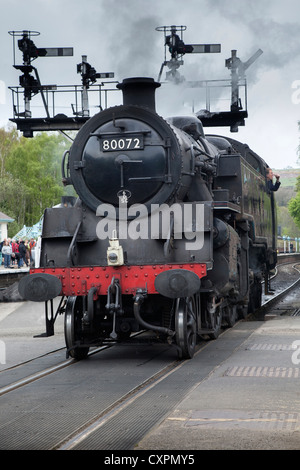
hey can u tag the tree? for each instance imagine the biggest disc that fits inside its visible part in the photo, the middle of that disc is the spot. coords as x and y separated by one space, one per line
36 164
13 196
294 204
8 138
12 191
286 222
30 175
298 184
294 209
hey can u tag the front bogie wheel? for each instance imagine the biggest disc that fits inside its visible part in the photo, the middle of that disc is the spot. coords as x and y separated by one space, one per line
73 328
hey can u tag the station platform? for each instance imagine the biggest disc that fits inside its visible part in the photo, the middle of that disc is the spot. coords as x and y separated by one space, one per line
13 269
10 276
249 400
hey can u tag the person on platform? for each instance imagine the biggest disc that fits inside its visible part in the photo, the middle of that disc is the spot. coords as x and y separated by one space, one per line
6 252
22 251
32 244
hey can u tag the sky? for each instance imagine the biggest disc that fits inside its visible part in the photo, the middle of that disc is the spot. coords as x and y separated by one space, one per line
119 36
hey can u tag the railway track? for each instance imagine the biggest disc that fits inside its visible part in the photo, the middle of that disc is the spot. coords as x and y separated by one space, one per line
286 278
130 396
43 373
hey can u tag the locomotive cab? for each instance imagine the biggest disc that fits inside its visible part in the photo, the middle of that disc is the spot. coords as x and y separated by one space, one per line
242 172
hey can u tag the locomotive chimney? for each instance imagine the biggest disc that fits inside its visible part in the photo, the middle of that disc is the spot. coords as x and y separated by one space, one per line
139 91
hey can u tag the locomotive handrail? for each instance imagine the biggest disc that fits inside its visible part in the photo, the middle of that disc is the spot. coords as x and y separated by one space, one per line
65 179
70 261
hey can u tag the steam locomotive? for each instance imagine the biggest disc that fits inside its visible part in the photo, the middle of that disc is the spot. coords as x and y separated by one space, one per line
172 231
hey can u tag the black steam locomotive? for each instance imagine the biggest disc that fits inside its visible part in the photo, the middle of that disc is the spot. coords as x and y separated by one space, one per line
172 231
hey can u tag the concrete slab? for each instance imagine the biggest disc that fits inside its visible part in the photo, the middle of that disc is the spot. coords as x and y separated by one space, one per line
250 401
20 323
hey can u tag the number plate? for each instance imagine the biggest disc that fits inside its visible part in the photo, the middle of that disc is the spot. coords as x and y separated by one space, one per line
128 142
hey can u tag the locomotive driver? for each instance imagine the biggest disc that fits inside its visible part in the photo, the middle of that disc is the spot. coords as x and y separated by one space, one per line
271 186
